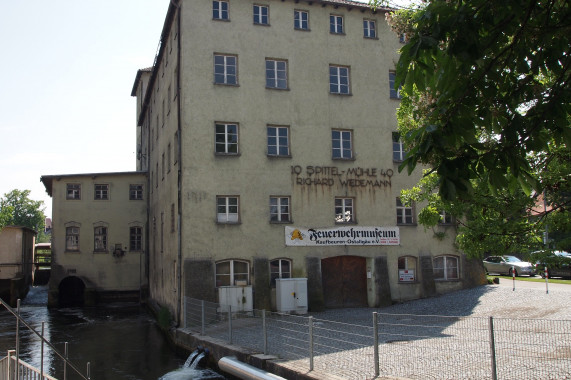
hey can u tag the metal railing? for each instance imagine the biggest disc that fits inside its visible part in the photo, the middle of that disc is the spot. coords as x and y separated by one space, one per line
16 372
25 371
402 345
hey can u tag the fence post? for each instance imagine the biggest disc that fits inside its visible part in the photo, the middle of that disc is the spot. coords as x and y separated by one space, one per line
311 343
65 353
202 317
42 354
10 352
17 372
376 341
493 349
229 324
265 331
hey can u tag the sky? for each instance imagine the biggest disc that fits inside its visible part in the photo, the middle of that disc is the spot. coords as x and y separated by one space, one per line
66 75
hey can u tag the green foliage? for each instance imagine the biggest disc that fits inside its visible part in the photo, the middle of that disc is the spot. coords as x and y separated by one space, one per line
486 106
164 318
17 209
547 258
486 83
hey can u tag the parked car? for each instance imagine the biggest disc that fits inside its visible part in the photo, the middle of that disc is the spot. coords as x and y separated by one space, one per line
558 264
504 265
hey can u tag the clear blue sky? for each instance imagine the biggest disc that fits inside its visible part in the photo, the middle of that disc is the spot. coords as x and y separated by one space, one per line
67 71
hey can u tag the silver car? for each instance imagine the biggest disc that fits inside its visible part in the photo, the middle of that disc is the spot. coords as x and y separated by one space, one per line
504 265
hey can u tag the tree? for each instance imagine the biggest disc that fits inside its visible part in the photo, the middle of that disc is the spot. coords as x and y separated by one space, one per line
486 108
17 209
489 83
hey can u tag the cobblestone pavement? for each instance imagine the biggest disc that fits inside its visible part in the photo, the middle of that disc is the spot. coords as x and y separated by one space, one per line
532 333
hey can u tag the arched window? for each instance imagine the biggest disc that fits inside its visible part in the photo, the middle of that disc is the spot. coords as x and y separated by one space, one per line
232 272
280 268
407 269
445 267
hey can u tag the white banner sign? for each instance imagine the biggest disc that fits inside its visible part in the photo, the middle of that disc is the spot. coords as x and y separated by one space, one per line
299 236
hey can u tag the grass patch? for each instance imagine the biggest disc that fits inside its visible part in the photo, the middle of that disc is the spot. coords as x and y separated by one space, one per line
533 279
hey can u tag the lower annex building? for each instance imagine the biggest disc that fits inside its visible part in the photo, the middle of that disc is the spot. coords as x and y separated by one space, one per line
266 134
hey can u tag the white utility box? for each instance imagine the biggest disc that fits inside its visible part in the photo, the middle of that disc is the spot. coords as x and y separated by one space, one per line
291 295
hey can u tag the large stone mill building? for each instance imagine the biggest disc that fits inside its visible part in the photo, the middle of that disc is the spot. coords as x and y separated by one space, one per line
266 136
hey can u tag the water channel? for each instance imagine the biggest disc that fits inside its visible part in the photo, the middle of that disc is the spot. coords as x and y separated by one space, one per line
121 341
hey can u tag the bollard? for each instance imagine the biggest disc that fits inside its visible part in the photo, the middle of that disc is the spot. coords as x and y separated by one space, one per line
513 277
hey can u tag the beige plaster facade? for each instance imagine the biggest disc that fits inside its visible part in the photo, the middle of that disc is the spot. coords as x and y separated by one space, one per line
98 236
208 146
16 262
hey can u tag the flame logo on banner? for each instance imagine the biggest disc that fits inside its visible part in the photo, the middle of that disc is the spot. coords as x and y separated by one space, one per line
296 234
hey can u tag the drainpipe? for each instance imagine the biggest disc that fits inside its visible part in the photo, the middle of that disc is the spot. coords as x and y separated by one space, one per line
178 4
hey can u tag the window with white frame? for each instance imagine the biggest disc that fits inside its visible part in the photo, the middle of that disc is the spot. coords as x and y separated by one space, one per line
226 139
369 29
220 10
279 268
227 209
339 80
73 191
280 209
225 69
336 24
101 192
72 238
135 238
278 141
407 269
261 14
232 273
301 20
394 92
135 192
276 74
445 218
399 153
344 210
100 239
342 144
404 213
445 267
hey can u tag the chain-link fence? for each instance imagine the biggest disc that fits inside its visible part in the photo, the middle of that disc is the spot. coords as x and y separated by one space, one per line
403 345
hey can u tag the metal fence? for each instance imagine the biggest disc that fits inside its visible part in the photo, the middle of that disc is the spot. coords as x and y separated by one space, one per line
403 345
24 371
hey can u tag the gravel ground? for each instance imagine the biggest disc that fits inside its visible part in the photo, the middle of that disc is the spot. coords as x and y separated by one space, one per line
443 337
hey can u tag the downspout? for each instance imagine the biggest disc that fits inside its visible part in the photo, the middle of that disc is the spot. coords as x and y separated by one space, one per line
178 142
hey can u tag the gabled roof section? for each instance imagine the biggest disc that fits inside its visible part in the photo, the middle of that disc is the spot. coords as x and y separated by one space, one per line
138 78
48 180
